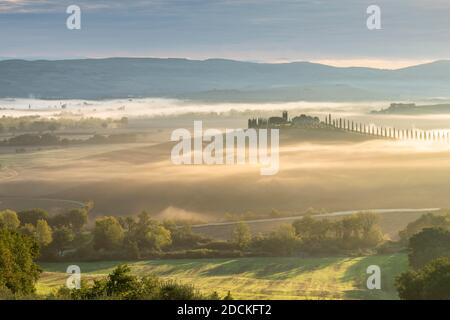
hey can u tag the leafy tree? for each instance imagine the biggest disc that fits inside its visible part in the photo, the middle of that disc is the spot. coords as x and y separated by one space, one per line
285 233
317 235
432 282
18 272
371 234
157 236
283 241
108 233
183 236
171 290
428 220
275 213
312 230
74 219
349 231
9 220
77 218
43 233
88 206
28 230
352 232
32 216
132 249
149 234
427 245
122 285
242 235
62 238
120 281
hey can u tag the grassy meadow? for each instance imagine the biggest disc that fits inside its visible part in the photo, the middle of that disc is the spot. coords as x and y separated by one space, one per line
256 278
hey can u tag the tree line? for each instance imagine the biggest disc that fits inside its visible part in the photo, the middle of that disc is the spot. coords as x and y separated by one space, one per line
50 139
30 235
67 236
37 124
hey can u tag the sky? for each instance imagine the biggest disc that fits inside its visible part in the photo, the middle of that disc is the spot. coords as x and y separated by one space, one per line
325 31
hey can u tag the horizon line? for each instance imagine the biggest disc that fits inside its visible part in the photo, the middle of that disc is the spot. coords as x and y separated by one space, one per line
379 64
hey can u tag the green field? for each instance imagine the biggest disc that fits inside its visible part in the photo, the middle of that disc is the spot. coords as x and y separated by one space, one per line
257 278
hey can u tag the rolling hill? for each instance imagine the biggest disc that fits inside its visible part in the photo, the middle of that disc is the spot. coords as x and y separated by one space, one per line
217 80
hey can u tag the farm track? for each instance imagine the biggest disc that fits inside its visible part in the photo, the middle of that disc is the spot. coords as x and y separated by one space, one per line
8 173
324 215
66 201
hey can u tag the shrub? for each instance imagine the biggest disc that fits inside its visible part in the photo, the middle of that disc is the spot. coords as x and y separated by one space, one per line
432 282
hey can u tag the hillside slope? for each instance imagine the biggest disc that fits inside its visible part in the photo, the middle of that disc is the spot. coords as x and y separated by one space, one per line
217 80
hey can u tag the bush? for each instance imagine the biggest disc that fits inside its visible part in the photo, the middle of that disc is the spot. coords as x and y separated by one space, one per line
32 216
219 245
428 220
108 233
432 282
282 242
429 244
9 220
352 233
122 285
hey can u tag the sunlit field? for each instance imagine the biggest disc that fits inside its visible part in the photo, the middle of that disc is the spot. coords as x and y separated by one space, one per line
257 278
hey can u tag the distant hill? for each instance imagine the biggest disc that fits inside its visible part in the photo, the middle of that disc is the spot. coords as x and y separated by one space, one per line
217 80
411 109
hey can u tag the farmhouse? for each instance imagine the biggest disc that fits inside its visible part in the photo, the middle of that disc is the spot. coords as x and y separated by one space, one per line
302 121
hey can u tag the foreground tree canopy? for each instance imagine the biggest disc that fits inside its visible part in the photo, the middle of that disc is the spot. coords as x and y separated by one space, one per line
121 284
432 282
18 272
427 245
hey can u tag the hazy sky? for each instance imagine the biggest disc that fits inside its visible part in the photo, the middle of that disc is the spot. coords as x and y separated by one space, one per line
332 31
